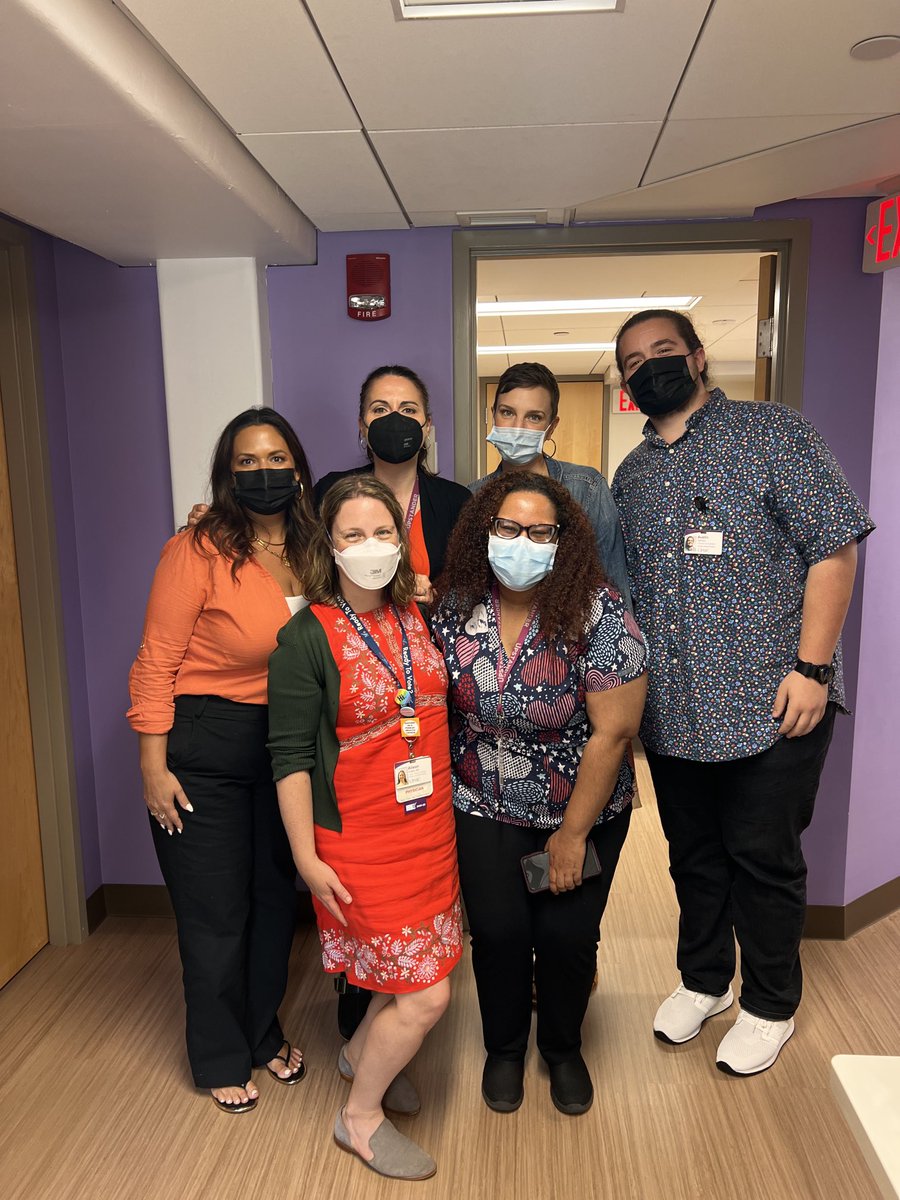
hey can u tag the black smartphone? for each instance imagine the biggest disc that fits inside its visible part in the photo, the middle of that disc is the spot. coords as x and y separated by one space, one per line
536 868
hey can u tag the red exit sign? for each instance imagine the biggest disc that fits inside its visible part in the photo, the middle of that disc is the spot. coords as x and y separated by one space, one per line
624 403
882 246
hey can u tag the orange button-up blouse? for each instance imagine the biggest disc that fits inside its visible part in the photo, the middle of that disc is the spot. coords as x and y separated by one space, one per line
205 634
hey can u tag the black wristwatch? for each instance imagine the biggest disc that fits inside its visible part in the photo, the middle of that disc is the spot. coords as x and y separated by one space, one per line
820 672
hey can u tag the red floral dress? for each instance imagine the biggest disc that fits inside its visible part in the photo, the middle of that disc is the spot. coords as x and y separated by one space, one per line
404 929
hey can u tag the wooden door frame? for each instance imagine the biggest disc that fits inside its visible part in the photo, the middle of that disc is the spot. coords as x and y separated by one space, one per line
788 239
34 534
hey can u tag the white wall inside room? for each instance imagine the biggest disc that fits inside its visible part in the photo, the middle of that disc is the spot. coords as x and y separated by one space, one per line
725 318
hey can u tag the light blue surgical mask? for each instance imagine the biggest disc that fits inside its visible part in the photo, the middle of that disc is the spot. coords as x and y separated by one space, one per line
518 446
520 563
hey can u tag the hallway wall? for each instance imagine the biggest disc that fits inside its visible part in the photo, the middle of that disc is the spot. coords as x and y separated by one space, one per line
105 401
106 406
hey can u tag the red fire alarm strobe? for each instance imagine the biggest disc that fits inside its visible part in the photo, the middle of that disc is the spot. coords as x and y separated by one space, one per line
368 286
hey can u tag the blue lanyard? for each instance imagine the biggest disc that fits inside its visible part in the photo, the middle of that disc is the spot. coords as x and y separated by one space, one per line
405 694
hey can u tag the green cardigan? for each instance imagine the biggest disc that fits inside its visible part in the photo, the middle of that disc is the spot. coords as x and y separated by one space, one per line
304 692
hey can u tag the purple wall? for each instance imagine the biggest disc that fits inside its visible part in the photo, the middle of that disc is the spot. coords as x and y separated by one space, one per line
842 319
873 842
320 356
106 412
69 583
114 511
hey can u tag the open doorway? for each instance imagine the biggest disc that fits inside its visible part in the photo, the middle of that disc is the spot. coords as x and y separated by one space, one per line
558 297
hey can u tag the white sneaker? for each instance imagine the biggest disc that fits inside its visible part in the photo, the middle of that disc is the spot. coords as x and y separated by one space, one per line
681 1017
752 1044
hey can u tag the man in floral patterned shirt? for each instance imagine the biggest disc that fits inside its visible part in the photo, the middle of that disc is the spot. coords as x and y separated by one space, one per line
740 535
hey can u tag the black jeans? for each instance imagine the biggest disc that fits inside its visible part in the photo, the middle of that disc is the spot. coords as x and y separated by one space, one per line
735 856
517 936
231 878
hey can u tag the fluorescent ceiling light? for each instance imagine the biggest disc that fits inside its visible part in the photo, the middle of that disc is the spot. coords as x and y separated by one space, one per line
518 308
552 348
423 9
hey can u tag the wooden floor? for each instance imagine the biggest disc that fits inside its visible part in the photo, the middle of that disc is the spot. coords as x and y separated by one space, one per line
95 1100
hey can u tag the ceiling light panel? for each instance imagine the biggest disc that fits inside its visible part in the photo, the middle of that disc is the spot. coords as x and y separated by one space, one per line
551 348
412 10
502 308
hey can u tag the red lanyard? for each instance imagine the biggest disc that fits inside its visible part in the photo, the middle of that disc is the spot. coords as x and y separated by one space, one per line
412 506
524 633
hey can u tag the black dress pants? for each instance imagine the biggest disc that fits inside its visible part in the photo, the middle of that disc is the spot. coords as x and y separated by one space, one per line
231 878
517 935
735 857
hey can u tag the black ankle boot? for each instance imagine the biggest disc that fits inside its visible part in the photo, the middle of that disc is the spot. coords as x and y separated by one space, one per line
501 1083
571 1089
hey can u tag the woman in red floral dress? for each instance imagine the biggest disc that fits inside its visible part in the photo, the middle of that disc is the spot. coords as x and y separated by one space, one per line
361 756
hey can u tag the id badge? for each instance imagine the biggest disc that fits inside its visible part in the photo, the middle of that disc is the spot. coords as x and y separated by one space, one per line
703 541
413 782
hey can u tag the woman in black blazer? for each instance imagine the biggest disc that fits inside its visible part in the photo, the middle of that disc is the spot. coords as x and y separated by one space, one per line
394 423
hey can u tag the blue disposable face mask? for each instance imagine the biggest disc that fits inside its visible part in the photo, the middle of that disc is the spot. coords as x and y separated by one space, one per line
520 563
518 446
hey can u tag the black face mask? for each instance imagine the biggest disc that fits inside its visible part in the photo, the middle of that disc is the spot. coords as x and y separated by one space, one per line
660 385
266 491
395 438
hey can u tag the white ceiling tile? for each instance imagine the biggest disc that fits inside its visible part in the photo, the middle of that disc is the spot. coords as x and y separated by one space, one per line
771 58
260 63
332 177
736 188
492 326
518 168
610 275
535 70
582 327
104 144
690 145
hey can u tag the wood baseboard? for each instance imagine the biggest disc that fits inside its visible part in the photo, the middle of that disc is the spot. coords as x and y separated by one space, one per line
835 921
152 900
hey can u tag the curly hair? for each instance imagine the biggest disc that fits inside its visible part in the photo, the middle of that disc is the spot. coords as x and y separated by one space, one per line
563 598
320 576
226 525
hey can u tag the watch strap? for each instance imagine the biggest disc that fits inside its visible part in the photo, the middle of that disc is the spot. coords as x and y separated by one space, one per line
821 672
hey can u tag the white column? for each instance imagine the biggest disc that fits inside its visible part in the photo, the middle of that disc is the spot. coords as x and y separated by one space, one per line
216 359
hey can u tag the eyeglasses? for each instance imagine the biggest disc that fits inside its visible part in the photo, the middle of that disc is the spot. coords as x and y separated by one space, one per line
502 527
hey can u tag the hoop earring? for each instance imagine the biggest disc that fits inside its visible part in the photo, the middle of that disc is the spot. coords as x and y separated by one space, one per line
552 453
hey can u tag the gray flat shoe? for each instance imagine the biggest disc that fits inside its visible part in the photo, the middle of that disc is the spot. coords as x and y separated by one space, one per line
393 1154
401 1098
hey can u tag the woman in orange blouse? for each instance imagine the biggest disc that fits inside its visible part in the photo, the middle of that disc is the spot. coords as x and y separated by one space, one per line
221 592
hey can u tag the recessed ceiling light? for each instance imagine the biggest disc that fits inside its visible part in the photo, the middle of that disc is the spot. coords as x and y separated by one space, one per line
513 308
411 10
872 48
552 348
